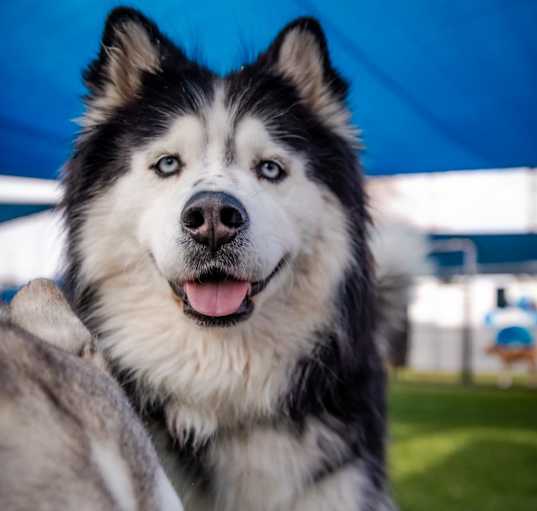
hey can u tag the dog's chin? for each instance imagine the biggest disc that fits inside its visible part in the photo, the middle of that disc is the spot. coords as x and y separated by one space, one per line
215 279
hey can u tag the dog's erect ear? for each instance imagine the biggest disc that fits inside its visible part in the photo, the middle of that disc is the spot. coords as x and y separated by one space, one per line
131 46
300 53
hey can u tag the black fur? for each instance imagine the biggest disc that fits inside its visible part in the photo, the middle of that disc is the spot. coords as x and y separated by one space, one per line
338 86
342 383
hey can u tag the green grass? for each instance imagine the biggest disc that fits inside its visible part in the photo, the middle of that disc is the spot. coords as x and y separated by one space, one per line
454 448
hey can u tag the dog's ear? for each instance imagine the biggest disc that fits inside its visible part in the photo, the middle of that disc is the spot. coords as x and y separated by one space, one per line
41 309
300 54
131 46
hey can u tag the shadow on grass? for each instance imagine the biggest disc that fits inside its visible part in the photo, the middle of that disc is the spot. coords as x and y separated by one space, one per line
480 476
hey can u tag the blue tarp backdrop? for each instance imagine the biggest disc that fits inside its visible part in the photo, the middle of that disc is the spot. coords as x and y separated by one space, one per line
436 85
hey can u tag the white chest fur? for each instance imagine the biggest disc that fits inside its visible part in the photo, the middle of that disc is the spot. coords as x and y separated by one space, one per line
270 469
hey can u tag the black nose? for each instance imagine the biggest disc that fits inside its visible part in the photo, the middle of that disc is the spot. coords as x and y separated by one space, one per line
213 218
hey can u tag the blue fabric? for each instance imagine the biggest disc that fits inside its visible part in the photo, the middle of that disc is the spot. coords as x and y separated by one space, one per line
436 85
495 253
6 295
514 336
10 211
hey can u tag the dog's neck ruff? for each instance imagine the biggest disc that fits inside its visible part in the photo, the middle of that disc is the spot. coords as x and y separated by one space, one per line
209 375
227 375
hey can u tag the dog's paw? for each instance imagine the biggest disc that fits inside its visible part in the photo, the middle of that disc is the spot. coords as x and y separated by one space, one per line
189 426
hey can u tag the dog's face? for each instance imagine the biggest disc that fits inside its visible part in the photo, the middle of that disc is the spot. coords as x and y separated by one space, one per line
226 186
228 210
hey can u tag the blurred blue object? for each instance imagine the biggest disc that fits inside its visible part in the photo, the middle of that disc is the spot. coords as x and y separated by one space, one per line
442 85
10 211
514 337
7 294
496 253
526 304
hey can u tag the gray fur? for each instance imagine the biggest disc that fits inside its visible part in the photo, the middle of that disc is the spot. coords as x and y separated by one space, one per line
41 309
69 438
4 311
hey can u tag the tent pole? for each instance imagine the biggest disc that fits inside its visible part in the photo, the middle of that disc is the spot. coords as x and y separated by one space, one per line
469 250
467 341
470 269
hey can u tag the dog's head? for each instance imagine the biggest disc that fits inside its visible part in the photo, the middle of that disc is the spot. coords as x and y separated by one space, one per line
226 186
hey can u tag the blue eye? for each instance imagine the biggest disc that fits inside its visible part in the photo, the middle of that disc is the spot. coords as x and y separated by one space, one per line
168 165
270 170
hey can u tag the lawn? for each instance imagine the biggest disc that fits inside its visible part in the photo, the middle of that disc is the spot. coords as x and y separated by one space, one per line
458 449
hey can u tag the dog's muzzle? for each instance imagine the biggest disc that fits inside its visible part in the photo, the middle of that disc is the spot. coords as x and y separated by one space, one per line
220 289
213 220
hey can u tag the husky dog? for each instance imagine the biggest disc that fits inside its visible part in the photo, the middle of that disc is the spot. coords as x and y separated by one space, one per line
218 250
68 436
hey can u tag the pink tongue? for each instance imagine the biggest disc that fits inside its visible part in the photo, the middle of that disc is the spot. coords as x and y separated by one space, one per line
219 299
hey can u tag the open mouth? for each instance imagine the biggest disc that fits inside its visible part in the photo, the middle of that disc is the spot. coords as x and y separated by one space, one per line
217 298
